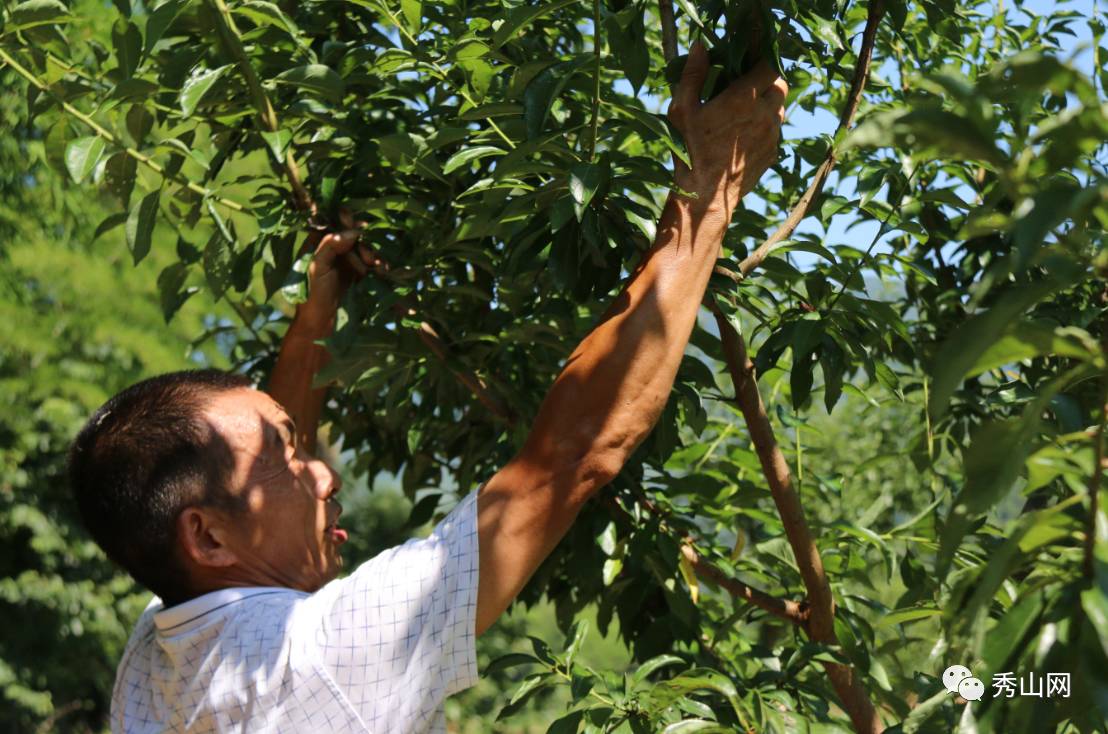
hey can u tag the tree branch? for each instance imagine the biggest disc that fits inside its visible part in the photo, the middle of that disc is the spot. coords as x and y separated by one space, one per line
266 114
790 611
820 620
669 29
470 379
821 612
597 43
846 118
107 135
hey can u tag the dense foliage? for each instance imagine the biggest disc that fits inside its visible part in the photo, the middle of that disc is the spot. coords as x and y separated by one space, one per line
944 303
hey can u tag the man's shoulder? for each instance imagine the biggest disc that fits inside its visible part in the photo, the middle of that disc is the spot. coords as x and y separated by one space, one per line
219 605
248 625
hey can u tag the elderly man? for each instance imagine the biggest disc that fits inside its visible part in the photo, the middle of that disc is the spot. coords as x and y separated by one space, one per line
207 492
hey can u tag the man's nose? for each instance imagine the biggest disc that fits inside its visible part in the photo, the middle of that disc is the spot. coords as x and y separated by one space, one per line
325 480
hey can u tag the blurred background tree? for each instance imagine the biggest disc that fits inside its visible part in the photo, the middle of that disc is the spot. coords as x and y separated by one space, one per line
908 475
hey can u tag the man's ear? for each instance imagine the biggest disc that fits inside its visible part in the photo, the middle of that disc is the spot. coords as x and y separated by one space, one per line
203 538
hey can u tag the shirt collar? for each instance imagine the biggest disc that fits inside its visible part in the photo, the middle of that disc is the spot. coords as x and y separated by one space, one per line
168 618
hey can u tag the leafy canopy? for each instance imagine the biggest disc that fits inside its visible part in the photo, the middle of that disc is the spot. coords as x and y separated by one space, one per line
929 343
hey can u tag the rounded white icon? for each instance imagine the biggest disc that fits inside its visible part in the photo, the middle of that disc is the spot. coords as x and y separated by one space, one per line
954 675
971 689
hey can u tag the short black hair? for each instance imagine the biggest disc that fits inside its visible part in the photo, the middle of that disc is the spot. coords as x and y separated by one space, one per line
142 458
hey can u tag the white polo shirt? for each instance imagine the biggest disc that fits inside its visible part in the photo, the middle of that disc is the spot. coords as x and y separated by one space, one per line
377 651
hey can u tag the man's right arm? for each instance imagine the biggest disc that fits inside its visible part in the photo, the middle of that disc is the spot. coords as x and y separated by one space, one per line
616 382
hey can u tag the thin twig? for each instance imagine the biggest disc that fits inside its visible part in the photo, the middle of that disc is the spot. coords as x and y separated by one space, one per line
1098 452
790 611
266 114
597 48
1094 489
470 379
846 118
669 29
107 135
882 230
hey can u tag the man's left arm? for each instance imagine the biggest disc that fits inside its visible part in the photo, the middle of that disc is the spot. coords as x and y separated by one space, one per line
339 261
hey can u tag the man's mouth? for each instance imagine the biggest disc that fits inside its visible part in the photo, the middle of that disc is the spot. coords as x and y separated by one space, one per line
337 534
334 532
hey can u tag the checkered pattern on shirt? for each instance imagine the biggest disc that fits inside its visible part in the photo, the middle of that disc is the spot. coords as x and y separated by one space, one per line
399 634
376 652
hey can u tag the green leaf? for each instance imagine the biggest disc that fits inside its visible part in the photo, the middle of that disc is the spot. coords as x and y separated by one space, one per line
242 268
567 724
423 511
413 13
607 539
510 660
1026 340
1005 639
468 49
55 143
82 155
217 265
542 650
903 616
278 142
924 711
611 569
172 297
140 225
316 79
667 692
467 155
523 16
530 685
263 12
139 123
128 46
690 10
997 453
833 367
119 175
584 181
109 223
627 48
200 81
220 223
927 128
970 341
36 13
578 632
654 664
694 725
544 89
159 21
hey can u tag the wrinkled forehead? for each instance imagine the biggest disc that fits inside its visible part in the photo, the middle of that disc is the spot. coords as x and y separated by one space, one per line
244 417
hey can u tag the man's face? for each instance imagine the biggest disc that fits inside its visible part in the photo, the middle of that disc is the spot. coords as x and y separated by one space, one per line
288 534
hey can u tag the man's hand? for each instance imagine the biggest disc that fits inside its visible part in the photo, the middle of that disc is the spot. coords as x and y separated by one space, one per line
340 260
731 139
617 381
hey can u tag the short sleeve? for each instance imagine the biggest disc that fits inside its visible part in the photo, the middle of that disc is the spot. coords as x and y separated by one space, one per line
398 634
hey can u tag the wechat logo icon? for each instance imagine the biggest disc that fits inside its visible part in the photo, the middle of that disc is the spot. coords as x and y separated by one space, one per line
958 679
